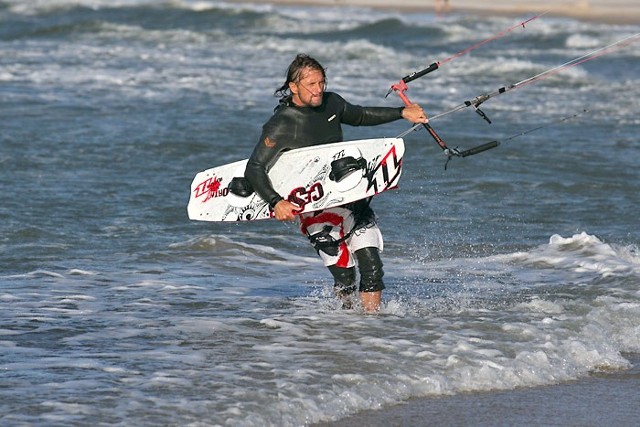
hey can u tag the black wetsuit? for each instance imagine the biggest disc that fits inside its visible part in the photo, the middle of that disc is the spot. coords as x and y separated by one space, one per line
296 127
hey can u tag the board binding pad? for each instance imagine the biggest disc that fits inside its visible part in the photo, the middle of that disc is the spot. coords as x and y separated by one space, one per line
314 178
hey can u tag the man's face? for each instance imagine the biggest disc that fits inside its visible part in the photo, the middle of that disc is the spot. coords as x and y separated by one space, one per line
308 90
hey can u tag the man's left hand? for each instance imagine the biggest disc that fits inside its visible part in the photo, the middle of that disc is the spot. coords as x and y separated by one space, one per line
415 114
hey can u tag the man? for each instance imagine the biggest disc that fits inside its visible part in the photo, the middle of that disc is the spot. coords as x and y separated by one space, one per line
345 235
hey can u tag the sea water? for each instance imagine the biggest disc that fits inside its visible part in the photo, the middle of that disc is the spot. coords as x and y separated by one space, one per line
514 268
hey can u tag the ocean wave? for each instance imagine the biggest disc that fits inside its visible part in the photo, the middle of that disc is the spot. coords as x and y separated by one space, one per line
57 20
583 253
76 18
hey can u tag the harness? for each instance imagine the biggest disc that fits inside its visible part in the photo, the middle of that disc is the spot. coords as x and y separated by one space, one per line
323 241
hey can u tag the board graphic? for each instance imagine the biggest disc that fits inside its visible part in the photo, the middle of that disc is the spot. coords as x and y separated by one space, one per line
314 178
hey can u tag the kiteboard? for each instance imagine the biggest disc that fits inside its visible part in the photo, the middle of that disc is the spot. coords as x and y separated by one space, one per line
313 178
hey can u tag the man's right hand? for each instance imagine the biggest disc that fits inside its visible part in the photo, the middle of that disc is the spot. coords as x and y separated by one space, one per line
285 210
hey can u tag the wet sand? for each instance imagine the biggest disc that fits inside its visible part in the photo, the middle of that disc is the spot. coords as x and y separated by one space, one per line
610 399
606 11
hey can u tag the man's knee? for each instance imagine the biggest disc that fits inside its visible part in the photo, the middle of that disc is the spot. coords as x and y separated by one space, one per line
370 267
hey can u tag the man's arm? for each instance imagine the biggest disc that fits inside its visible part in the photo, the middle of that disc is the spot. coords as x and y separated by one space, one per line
256 173
356 115
272 143
263 156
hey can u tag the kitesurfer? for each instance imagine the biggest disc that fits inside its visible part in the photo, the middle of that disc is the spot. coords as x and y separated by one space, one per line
343 236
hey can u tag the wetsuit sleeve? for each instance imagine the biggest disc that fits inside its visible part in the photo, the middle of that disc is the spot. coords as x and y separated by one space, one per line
261 160
356 115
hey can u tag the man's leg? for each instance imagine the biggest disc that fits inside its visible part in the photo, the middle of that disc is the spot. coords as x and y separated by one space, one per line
371 285
344 284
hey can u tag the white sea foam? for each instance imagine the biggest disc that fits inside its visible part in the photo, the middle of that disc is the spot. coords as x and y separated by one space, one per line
584 253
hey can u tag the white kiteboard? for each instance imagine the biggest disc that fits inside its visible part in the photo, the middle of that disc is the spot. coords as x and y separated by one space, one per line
313 178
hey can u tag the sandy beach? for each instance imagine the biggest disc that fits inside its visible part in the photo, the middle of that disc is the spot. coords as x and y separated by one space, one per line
606 11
